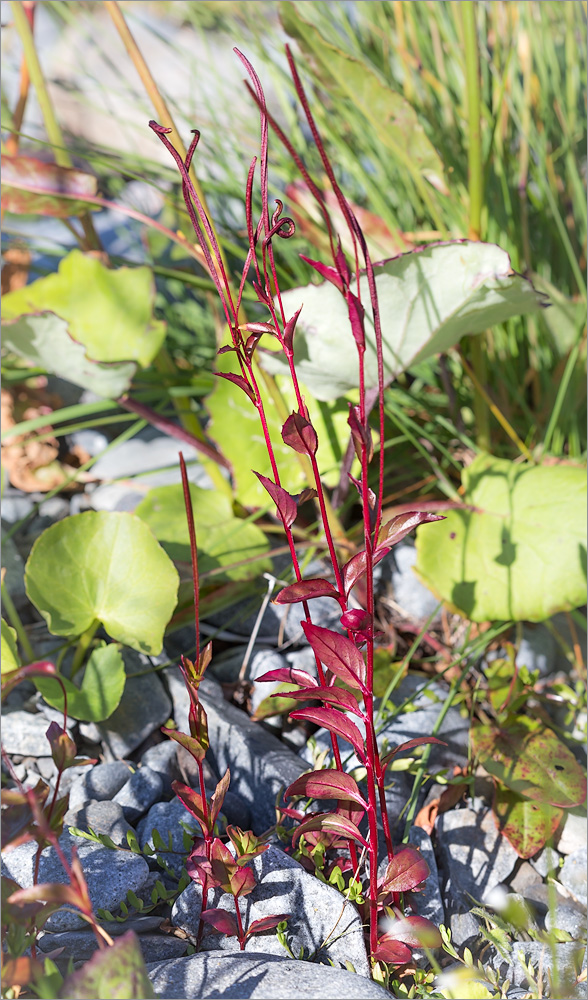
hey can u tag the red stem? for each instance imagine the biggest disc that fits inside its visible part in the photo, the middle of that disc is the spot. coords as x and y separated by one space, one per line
240 925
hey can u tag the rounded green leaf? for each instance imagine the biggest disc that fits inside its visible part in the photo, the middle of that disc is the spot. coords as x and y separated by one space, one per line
10 660
428 300
109 311
100 691
118 971
525 823
519 552
103 566
223 540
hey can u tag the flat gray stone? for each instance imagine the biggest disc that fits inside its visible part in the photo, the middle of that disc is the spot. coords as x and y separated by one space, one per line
260 765
99 783
429 902
109 874
567 918
537 650
81 945
168 818
572 875
163 759
143 708
474 856
242 976
525 877
25 734
409 593
318 913
573 835
546 862
101 817
570 960
143 788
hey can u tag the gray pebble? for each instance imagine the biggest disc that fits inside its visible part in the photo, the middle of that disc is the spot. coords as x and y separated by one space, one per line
573 875
81 945
101 817
409 593
569 956
573 835
99 783
567 918
143 788
25 734
168 818
163 759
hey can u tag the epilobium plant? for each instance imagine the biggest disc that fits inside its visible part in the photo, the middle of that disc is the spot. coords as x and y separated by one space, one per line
344 662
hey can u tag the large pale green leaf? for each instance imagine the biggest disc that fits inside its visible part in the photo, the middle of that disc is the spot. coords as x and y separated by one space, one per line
389 115
10 660
117 972
110 312
531 760
44 339
100 691
104 566
235 426
429 299
526 824
520 553
222 538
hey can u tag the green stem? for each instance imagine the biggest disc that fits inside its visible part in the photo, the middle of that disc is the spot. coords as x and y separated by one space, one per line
17 625
84 643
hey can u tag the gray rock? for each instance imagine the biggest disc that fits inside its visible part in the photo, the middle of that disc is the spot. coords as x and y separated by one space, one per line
545 862
91 440
143 788
464 927
163 759
47 768
56 508
81 945
474 859
168 818
429 902
260 765
537 649
573 875
525 877
409 593
99 783
256 977
13 563
25 734
283 886
101 817
569 958
573 834
52 714
143 708
149 452
567 918
15 508
109 874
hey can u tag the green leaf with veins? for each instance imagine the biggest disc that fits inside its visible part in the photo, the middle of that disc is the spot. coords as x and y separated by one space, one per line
100 691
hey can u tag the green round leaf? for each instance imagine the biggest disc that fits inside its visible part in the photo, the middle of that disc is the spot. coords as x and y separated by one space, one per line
10 660
104 566
100 691
222 538
526 824
521 553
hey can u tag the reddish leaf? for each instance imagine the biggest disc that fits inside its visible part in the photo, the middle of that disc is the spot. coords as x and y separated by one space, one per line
335 722
307 494
266 924
330 695
289 329
286 504
353 571
356 314
415 931
246 844
526 824
338 653
48 892
305 590
63 748
400 526
242 881
222 921
20 971
406 870
44 668
361 433
299 434
356 620
391 951
193 803
330 823
325 271
118 971
409 745
192 745
32 187
216 802
327 784
259 328
289 675
240 381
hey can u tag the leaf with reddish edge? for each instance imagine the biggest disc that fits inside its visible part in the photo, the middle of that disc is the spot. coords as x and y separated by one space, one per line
192 745
335 722
356 313
408 745
391 951
221 921
327 784
527 825
118 971
330 823
361 433
397 529
63 748
240 381
242 881
305 590
216 802
288 337
193 803
33 187
416 932
531 760
20 971
407 869
286 504
356 620
289 675
341 262
307 494
299 434
246 844
266 924
331 696
48 892
325 271
338 653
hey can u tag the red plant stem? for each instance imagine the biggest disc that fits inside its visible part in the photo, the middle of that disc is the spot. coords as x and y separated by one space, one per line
168 427
193 549
203 906
240 925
